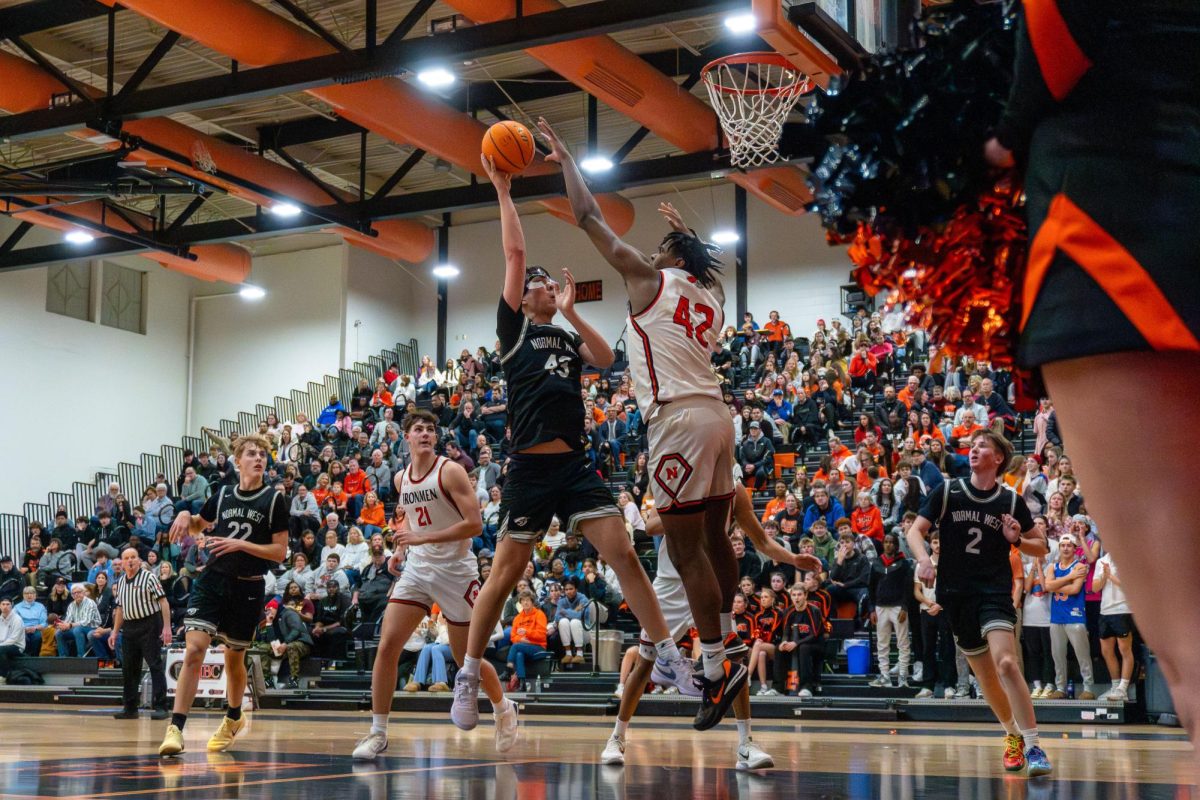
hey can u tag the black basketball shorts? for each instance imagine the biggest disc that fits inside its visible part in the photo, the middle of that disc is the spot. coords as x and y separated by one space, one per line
542 486
973 615
1115 626
226 607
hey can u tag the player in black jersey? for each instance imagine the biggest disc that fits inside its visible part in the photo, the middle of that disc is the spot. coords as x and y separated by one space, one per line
548 473
979 522
248 536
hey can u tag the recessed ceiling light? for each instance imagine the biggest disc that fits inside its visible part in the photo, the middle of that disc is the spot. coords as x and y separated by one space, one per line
445 271
79 237
741 23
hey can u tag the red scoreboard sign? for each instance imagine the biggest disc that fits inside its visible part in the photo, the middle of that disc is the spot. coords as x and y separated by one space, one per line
589 291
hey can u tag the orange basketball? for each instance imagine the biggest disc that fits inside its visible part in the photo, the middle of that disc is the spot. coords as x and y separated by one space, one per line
510 146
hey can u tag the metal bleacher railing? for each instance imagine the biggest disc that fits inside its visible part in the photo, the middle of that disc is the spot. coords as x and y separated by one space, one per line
135 477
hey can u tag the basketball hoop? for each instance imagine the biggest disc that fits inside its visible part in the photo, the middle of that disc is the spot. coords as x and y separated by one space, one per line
752 94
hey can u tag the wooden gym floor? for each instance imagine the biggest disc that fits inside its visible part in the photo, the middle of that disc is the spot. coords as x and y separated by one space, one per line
64 751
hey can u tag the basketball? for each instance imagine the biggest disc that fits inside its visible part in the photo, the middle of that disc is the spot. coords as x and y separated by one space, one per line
510 146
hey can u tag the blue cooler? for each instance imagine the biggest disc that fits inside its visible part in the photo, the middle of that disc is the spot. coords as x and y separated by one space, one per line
858 656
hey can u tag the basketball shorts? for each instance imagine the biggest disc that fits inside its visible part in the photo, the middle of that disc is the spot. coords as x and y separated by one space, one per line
691 455
453 586
226 607
1113 238
972 616
542 486
1115 626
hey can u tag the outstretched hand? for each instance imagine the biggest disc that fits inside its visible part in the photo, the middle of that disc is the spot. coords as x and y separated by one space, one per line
673 217
557 148
566 295
501 180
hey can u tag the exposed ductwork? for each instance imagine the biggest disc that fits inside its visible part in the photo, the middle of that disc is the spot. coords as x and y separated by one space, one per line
389 107
401 239
616 75
209 262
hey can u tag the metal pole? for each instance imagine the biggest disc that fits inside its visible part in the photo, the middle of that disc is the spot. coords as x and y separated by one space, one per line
443 287
742 252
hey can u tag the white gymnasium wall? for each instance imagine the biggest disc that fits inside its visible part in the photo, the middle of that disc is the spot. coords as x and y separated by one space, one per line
385 296
247 352
78 396
791 268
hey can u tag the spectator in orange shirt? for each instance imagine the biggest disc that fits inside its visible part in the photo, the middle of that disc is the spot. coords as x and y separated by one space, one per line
775 504
866 519
356 483
372 518
528 639
776 330
863 367
905 395
838 452
963 432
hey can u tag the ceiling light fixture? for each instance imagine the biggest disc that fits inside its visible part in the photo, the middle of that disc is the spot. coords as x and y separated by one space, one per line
79 237
436 77
249 292
444 271
285 210
596 163
741 23
725 236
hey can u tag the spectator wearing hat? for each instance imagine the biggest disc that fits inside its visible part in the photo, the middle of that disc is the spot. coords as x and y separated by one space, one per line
329 630
757 457
11 580
1065 579
106 537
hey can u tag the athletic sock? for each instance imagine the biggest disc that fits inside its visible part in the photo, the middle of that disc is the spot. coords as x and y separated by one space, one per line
1010 727
713 656
471 666
1031 738
179 720
234 713
620 728
647 651
667 650
1123 684
379 723
743 726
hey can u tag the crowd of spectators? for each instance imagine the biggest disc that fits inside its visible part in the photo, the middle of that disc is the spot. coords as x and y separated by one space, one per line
839 434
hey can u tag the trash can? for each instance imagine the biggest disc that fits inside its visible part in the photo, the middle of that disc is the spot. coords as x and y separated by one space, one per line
609 657
858 656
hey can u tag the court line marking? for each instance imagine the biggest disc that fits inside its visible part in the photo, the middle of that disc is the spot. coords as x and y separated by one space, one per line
270 781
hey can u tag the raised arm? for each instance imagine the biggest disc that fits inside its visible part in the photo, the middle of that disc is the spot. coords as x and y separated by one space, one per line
594 350
633 265
512 237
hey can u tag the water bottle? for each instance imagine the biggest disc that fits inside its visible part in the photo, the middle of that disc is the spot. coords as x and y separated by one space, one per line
1071 690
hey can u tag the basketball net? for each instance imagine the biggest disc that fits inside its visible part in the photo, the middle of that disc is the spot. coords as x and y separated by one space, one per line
753 93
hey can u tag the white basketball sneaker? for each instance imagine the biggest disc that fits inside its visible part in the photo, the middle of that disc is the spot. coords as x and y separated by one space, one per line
614 752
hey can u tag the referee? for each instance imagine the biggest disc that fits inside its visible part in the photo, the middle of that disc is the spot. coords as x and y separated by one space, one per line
143 615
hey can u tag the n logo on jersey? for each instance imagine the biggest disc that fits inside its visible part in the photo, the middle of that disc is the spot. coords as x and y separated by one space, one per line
672 474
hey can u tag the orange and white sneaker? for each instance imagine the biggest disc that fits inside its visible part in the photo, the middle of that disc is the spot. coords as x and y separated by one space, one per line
1014 753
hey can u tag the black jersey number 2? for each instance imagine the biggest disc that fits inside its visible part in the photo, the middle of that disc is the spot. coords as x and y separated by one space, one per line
973 546
559 365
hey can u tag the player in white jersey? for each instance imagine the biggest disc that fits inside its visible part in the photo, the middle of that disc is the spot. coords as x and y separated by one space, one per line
440 519
673 599
676 303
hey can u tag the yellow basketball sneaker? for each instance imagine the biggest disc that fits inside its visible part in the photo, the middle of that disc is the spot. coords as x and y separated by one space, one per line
172 743
224 736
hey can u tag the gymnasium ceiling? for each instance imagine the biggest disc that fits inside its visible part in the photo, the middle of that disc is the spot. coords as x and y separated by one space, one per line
504 81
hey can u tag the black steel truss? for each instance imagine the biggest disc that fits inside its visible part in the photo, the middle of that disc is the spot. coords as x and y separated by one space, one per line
480 41
40 15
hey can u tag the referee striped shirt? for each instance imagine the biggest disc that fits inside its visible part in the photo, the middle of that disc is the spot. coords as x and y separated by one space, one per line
138 597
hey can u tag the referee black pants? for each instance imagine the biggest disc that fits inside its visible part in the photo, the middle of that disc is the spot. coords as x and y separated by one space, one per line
142 640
